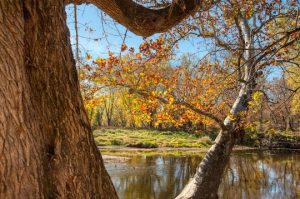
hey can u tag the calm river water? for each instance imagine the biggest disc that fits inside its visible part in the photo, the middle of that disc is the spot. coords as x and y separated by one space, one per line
250 175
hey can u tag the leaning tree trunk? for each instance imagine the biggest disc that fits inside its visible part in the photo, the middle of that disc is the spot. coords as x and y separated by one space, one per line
206 181
208 176
47 149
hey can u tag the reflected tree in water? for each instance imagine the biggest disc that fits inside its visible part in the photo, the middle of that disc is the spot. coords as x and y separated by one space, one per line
249 176
259 176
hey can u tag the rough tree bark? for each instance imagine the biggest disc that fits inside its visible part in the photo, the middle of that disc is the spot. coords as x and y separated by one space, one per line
47 149
145 22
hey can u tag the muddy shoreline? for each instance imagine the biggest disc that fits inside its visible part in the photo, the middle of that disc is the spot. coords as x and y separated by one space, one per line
235 149
121 154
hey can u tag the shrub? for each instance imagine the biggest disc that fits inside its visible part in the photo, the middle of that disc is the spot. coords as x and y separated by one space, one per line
116 142
144 144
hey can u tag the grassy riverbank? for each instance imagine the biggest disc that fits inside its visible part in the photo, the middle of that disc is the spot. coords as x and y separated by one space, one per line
132 139
142 138
273 139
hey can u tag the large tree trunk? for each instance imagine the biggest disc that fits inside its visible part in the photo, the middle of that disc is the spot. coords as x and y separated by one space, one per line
47 149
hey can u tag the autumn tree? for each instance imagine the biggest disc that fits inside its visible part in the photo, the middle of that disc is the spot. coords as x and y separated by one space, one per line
246 41
46 142
240 31
274 106
292 72
294 82
170 96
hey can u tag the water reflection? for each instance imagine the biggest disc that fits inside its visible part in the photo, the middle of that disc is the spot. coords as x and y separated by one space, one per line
262 175
249 175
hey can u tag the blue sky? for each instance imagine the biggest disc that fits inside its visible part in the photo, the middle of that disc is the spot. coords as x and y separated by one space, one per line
89 18
110 35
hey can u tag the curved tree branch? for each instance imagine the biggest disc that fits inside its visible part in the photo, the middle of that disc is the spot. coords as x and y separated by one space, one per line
145 21
182 103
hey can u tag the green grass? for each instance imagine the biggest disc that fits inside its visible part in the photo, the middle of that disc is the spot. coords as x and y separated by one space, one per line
149 138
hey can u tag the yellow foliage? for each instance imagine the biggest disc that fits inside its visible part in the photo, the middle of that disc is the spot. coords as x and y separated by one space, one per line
256 101
294 83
